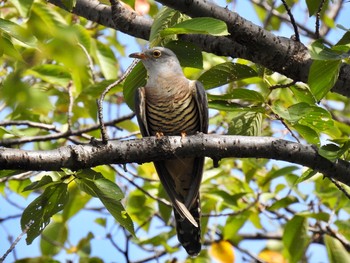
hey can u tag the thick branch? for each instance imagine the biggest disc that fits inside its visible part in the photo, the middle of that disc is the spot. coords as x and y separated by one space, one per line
246 39
152 148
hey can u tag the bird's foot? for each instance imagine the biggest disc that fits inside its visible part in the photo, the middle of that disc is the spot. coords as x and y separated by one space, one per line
159 135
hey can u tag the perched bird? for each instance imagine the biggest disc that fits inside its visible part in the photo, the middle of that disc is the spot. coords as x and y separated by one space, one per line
171 104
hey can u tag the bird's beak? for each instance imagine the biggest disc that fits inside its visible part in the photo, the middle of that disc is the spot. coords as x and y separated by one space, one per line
139 55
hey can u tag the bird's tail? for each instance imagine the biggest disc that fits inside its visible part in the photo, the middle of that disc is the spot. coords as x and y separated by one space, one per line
188 234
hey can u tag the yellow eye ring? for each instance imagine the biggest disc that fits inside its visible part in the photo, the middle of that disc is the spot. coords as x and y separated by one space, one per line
156 53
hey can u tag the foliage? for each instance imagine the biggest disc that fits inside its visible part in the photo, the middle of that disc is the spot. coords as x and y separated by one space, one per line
53 67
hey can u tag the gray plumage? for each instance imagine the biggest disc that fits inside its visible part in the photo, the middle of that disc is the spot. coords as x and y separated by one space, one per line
170 104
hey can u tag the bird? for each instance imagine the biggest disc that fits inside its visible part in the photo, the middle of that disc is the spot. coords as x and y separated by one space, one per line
169 105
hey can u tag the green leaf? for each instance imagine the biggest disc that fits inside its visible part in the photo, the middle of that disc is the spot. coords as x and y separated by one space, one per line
101 221
189 55
106 61
136 79
233 225
23 6
303 94
17 32
336 251
305 176
84 245
42 259
52 19
69 4
51 73
77 200
7 47
225 73
311 116
322 76
109 194
295 238
241 94
282 203
45 180
54 234
247 123
166 17
312 6
141 208
330 151
198 25
82 35
38 213
323 216
319 51
309 134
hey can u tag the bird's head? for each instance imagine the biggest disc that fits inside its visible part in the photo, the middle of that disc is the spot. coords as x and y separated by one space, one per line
159 61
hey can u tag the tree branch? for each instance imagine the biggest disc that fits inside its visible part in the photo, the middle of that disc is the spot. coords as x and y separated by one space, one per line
246 39
149 149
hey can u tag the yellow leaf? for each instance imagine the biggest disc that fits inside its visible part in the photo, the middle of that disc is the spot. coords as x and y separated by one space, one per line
270 256
222 251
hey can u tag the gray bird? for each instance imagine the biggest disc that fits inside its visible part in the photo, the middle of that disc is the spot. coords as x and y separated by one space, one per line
171 104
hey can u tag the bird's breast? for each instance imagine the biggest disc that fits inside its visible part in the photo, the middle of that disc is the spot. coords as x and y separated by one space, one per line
171 112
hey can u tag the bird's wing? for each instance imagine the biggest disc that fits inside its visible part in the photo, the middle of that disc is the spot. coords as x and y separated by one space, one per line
169 185
202 106
140 110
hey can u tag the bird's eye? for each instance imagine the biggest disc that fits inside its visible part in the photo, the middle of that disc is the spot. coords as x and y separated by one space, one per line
157 53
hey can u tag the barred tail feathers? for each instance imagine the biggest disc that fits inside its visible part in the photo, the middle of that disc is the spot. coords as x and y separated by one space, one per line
188 234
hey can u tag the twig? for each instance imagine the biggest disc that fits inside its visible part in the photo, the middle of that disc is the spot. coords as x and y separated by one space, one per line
58 135
49 127
70 106
91 64
104 93
281 86
10 217
163 201
340 187
247 252
236 212
318 14
13 245
286 126
292 20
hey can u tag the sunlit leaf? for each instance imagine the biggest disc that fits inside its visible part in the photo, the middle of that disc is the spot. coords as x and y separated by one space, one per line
23 6
166 17
322 76
51 73
17 32
55 234
106 60
198 25
222 251
319 51
295 238
247 123
336 251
